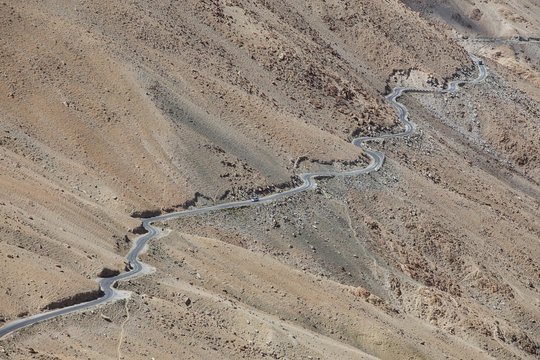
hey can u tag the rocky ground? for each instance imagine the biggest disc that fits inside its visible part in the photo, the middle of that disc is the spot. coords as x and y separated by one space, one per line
114 108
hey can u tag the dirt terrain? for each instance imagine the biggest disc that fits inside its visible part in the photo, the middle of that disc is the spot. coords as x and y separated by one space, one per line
111 110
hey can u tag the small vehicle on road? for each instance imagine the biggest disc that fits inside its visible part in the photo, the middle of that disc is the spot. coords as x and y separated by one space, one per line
255 199
480 62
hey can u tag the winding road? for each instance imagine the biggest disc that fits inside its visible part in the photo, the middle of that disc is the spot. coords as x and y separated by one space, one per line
508 41
308 182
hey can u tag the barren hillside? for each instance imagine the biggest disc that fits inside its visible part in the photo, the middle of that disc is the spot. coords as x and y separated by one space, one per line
514 25
112 110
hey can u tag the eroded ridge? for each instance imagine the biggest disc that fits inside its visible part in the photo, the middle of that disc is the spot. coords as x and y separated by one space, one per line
108 285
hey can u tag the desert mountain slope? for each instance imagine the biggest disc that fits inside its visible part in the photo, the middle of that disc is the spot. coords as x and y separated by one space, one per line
517 21
111 107
487 19
111 110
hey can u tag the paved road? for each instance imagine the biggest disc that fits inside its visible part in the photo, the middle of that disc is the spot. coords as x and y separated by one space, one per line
308 182
508 41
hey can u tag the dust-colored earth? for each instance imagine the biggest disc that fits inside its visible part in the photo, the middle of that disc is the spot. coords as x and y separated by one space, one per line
109 109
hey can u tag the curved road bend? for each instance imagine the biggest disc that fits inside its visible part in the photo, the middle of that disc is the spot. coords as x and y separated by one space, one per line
308 182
